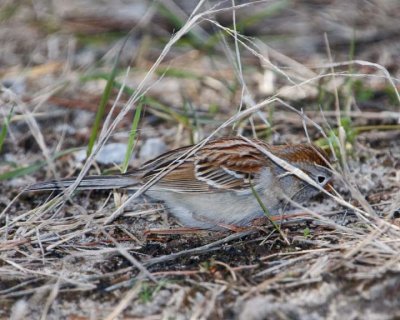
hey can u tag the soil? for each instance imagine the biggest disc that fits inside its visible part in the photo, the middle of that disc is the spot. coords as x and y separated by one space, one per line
58 257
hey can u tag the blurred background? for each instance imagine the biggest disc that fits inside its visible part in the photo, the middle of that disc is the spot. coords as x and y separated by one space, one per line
56 57
67 65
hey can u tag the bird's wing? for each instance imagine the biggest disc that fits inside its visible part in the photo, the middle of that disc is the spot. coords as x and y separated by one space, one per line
220 165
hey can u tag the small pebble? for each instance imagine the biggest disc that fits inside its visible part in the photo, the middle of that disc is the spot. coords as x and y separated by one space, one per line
152 148
109 154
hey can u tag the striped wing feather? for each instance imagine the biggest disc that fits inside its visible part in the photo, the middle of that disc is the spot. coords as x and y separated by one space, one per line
220 165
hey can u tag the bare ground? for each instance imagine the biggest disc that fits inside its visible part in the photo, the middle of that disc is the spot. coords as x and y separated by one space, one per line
60 260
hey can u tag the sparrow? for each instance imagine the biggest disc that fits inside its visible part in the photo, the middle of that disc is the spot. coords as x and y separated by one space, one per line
214 184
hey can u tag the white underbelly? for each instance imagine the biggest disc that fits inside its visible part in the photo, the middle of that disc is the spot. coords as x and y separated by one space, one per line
202 210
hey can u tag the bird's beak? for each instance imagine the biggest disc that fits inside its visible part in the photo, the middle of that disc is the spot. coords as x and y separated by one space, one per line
329 187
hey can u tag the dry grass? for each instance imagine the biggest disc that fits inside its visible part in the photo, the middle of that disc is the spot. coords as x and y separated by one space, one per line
73 255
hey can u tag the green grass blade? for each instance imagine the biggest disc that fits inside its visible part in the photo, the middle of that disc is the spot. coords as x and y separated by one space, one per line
269 11
22 171
29 169
132 136
4 129
102 106
266 211
177 73
191 37
164 111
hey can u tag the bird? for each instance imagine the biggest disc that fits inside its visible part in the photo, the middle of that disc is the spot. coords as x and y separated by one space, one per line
221 182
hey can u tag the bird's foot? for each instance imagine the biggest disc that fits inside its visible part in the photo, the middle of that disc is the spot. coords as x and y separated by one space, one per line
172 231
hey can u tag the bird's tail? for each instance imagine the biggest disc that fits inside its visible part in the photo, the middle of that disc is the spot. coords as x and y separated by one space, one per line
88 183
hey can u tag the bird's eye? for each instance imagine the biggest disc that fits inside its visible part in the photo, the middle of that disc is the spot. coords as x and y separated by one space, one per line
321 179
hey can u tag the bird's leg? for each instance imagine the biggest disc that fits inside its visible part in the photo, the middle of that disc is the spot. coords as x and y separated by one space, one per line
288 216
262 221
182 230
258 222
265 220
233 228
